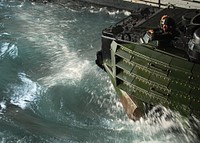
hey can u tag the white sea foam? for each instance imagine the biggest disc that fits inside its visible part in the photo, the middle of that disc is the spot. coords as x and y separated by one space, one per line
67 66
127 13
3 104
4 34
8 49
2 107
113 12
25 93
155 129
70 73
93 9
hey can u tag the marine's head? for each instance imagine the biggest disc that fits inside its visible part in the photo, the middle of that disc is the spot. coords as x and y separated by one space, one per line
167 24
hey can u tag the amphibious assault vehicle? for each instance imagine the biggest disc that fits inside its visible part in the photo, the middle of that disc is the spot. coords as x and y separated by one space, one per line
153 58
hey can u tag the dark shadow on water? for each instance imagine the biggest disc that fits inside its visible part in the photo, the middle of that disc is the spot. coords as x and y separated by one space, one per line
30 123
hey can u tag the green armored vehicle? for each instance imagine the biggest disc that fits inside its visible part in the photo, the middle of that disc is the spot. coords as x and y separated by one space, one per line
153 58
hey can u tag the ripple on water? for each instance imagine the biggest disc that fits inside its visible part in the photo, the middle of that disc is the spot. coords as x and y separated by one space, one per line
25 92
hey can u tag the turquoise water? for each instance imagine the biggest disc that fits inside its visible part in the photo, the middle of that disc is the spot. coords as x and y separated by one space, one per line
52 91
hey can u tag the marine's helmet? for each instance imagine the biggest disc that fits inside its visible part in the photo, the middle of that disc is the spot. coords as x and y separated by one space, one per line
167 24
